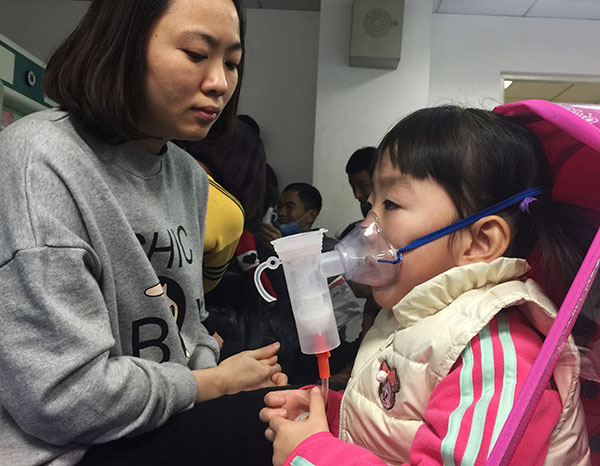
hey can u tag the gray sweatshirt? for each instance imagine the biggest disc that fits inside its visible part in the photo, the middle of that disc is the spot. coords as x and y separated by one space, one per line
101 296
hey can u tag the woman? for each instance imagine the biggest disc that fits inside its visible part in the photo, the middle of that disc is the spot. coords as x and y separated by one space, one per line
101 243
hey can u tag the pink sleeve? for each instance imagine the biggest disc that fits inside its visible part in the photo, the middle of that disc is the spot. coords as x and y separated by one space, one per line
323 449
468 408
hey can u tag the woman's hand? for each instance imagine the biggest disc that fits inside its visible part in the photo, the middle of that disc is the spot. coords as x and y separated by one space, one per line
287 434
247 370
252 369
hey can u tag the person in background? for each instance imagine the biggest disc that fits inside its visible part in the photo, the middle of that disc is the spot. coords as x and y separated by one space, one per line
358 169
236 169
103 358
271 195
462 324
296 210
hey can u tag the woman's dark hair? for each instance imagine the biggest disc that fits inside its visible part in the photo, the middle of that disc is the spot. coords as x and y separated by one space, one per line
239 165
250 122
97 73
481 158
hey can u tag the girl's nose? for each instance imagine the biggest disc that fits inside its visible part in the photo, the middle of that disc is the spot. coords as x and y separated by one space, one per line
373 216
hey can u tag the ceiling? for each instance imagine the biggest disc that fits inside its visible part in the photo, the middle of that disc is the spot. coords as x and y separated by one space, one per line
312 5
571 9
553 91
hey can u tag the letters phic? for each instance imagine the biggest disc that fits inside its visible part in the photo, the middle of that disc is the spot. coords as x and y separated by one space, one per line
173 245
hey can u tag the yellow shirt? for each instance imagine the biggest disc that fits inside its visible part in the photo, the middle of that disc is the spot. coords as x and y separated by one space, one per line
224 226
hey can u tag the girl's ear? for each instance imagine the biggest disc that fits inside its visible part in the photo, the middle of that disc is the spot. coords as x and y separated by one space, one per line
486 240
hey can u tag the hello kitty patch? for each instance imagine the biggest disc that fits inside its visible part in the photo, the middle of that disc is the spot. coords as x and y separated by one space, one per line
389 385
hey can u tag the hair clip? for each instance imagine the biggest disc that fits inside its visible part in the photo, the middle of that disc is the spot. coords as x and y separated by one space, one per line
524 205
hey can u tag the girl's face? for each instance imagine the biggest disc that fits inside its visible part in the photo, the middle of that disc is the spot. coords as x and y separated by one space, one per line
192 60
408 209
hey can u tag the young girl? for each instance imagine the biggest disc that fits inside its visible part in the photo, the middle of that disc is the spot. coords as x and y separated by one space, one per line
103 352
436 376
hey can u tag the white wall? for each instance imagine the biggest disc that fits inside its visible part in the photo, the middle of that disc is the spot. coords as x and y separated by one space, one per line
357 106
445 59
279 87
470 54
39 26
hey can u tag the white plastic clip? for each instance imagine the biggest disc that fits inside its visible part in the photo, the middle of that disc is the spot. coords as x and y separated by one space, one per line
271 263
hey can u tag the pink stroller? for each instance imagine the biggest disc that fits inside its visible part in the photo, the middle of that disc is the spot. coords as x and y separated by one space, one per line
570 135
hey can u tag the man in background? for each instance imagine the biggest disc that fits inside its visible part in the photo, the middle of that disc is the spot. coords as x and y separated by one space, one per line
296 210
358 169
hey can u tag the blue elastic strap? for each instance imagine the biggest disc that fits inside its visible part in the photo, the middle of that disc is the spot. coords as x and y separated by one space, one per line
469 220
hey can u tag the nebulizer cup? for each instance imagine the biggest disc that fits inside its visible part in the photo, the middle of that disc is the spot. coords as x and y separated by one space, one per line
300 256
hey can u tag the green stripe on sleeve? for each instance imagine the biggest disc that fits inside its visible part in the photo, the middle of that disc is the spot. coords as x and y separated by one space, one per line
299 461
509 380
482 405
466 398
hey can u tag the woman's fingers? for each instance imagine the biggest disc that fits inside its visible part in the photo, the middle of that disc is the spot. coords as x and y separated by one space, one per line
265 352
280 379
269 361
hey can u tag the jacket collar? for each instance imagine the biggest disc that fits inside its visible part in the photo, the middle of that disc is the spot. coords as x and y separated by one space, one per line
430 297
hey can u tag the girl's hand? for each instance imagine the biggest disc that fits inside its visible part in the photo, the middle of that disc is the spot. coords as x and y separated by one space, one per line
288 404
286 435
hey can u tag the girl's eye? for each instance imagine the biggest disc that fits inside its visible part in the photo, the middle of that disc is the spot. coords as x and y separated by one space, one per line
389 205
195 57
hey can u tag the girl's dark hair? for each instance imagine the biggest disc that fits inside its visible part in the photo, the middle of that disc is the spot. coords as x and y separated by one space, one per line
239 165
97 73
481 158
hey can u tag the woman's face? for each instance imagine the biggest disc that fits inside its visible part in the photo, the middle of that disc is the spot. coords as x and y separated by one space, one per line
409 208
192 57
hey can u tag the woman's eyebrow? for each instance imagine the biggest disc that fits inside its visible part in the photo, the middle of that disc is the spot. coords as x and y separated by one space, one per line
212 41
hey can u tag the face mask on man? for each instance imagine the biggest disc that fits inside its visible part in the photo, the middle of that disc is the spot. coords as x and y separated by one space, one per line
290 228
